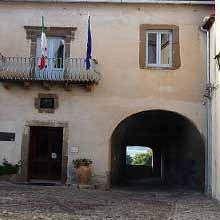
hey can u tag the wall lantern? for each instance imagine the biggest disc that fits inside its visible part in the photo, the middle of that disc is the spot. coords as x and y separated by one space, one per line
217 57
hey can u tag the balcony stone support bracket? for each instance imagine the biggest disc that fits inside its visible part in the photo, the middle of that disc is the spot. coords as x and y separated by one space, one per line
90 88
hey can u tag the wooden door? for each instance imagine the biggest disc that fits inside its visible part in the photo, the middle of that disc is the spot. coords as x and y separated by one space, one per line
45 153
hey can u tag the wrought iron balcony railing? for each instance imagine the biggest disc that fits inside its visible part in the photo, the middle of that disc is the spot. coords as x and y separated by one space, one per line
61 70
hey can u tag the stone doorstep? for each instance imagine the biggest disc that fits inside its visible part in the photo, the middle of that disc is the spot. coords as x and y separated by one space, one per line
13 178
8 178
81 186
89 186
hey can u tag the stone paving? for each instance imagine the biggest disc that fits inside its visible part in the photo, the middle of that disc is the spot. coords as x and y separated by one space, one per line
25 202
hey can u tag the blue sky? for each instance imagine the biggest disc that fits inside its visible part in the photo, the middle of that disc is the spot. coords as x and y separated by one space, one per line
132 150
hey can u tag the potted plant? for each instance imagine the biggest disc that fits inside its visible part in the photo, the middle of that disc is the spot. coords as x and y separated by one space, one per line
83 170
9 171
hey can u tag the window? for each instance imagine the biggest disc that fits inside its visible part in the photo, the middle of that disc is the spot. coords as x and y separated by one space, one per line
46 103
55 58
58 43
159 46
7 136
55 52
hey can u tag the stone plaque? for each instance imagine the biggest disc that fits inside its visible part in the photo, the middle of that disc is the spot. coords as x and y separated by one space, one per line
7 136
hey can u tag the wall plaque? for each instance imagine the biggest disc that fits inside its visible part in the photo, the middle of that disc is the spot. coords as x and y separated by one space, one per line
7 136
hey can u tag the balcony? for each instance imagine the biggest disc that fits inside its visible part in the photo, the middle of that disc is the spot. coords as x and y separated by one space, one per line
68 70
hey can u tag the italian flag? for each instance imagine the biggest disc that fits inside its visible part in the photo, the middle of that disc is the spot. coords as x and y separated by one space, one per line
42 62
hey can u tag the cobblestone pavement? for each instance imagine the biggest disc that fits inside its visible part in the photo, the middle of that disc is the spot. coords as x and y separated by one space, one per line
61 202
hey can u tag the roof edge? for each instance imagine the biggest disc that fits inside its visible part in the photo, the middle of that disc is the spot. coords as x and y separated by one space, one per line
182 2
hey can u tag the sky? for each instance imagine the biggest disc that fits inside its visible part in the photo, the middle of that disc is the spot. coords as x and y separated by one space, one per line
132 150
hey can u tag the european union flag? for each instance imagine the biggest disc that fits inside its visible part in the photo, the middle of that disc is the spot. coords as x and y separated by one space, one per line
89 47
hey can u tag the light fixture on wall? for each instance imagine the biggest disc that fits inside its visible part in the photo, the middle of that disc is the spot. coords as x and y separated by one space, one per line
217 58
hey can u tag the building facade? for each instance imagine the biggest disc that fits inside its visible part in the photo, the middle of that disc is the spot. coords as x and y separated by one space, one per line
148 62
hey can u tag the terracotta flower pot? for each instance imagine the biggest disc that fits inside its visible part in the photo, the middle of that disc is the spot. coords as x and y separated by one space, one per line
83 174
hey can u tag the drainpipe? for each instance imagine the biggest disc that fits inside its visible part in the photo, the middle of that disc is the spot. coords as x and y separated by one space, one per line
208 147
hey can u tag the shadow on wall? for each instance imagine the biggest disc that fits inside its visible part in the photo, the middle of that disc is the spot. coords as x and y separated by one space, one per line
178 149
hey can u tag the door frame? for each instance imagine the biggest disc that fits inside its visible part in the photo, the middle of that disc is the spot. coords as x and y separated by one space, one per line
25 148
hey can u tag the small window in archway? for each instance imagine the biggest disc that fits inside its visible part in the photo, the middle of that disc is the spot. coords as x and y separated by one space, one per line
139 155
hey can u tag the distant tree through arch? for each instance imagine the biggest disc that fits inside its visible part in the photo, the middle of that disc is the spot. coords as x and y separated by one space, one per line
139 155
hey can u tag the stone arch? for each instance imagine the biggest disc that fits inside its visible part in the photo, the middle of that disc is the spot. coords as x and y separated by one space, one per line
177 144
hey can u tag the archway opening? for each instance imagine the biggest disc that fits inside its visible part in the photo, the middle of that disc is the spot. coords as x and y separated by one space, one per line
139 163
157 148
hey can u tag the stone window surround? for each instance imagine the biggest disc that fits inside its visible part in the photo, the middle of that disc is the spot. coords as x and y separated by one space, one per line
175 45
32 32
46 110
25 147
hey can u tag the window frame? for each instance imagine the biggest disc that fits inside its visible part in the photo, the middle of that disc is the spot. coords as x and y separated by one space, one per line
176 62
37 102
33 32
158 48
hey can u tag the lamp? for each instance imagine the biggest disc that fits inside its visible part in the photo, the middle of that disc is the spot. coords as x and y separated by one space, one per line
217 57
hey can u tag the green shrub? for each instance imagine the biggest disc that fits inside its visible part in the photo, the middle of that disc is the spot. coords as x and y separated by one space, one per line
8 168
81 162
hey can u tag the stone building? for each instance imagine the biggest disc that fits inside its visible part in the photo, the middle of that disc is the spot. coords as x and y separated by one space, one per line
145 88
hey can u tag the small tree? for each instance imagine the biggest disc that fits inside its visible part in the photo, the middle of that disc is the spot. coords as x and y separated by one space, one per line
129 160
143 159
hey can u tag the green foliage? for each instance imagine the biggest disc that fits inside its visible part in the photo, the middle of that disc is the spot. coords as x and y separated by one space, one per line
128 160
143 159
7 168
81 162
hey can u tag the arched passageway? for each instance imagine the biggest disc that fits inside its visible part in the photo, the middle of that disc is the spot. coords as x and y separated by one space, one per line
177 149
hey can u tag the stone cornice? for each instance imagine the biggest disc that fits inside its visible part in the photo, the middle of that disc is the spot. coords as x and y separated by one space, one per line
188 2
34 31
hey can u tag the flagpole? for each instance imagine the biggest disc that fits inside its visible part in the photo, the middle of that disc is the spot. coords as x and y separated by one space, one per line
42 24
89 45
89 18
42 63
